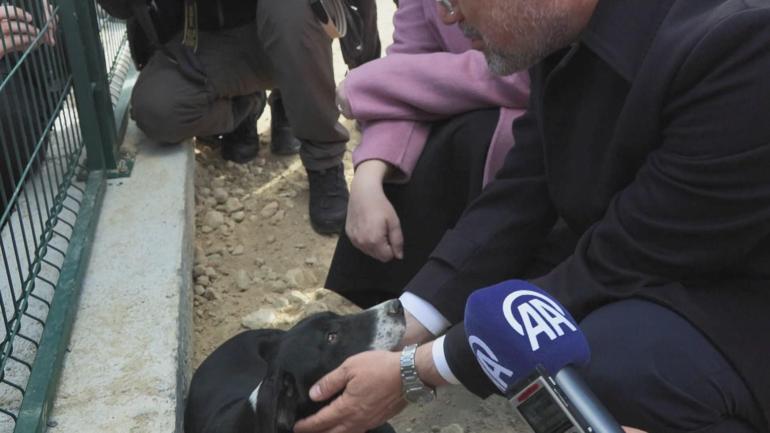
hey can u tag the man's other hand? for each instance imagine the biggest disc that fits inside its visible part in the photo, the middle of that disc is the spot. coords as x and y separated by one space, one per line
18 32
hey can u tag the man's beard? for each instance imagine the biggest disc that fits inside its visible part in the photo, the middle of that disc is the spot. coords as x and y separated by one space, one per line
533 45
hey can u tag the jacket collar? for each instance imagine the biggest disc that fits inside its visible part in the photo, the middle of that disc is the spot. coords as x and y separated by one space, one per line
620 32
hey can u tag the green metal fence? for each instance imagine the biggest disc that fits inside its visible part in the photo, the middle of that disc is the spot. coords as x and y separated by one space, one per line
62 108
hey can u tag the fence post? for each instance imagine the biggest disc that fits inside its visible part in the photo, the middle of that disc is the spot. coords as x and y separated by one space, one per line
89 74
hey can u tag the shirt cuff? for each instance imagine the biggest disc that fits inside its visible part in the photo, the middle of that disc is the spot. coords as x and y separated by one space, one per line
439 359
425 313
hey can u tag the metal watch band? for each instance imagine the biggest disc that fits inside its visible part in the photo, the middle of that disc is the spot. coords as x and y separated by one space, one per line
415 391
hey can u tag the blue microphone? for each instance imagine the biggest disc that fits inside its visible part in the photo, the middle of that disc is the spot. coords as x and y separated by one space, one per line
520 336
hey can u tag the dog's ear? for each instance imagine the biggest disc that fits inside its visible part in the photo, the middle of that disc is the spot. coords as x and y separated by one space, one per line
276 405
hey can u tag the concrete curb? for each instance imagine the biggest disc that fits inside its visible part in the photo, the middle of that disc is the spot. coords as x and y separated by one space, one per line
128 364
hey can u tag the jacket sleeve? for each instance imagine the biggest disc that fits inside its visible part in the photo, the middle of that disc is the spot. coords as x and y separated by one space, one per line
493 238
429 87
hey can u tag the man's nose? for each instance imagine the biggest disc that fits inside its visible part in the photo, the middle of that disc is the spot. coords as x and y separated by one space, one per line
448 11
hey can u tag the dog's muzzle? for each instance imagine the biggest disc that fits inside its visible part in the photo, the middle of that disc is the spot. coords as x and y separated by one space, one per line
389 326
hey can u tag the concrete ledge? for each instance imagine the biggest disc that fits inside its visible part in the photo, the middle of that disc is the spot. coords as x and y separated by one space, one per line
128 363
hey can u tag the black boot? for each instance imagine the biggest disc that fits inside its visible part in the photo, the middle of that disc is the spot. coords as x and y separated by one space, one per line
242 145
282 140
328 199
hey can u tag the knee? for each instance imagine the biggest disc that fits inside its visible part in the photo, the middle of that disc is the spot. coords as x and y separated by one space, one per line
654 371
157 116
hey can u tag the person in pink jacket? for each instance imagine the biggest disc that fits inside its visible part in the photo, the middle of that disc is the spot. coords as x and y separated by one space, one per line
436 127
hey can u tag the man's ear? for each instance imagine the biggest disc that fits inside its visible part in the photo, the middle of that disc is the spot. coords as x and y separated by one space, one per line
276 406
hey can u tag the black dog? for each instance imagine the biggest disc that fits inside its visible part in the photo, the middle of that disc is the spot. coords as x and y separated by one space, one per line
258 381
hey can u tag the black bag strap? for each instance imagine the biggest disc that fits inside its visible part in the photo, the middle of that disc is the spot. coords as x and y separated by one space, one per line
181 53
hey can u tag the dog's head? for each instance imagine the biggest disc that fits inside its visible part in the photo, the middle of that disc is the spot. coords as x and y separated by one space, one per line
312 348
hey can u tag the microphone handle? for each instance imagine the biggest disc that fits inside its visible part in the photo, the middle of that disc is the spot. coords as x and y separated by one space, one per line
585 402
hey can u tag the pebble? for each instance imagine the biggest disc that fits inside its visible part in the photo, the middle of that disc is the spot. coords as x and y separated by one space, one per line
311 261
260 162
278 285
199 290
221 195
239 216
233 205
270 209
218 182
238 250
435 428
203 280
297 297
199 270
214 219
278 217
238 191
262 318
210 294
200 254
205 192
259 262
210 271
253 218
242 280
270 239
210 202
279 302
452 428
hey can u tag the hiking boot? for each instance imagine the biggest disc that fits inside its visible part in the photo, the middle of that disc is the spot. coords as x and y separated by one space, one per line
328 199
282 140
242 144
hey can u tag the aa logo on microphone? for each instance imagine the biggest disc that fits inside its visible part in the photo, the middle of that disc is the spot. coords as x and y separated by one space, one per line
538 315
489 363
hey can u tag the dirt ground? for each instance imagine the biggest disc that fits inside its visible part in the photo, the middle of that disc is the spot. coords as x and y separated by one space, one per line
259 264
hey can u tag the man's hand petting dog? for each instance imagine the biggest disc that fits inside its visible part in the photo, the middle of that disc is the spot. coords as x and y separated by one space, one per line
372 395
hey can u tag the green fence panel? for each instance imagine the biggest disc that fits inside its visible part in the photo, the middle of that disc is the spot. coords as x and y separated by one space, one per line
63 104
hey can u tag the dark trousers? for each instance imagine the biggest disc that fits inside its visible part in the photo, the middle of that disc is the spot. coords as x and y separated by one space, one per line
655 371
447 177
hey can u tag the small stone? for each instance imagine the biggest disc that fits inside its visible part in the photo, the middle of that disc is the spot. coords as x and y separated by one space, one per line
278 217
230 165
209 202
260 162
297 297
210 271
214 219
311 261
218 182
233 205
238 191
199 270
279 302
210 294
270 209
242 280
238 250
262 318
435 428
239 216
221 195
203 280
199 290
270 239
300 246
452 428
253 218
205 192
206 229
259 262
200 253
278 285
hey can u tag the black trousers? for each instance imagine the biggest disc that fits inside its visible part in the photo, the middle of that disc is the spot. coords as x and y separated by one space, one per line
655 371
447 177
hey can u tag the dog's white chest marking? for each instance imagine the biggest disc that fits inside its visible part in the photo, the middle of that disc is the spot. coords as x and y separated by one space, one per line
253 398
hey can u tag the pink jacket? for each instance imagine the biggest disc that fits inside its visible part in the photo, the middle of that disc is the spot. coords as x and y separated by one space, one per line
430 73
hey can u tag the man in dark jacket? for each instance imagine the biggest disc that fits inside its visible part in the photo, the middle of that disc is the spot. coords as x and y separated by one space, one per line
213 83
648 139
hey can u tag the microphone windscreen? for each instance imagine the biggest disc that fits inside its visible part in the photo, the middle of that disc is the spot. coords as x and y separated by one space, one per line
513 326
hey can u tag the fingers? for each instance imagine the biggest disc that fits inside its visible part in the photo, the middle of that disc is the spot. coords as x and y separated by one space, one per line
324 419
330 384
15 44
12 13
395 236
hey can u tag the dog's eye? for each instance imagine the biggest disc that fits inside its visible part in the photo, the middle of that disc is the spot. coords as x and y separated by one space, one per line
331 337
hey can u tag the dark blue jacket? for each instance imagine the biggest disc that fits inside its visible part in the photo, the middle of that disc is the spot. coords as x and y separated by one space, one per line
650 139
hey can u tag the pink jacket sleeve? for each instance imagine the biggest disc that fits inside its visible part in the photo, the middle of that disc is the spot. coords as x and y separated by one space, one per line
391 95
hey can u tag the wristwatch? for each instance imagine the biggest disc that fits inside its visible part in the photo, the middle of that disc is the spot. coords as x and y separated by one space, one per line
415 391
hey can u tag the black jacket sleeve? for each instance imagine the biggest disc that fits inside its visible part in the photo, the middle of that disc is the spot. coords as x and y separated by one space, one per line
493 238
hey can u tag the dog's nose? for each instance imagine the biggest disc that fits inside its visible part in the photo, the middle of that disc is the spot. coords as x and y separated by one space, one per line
395 308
